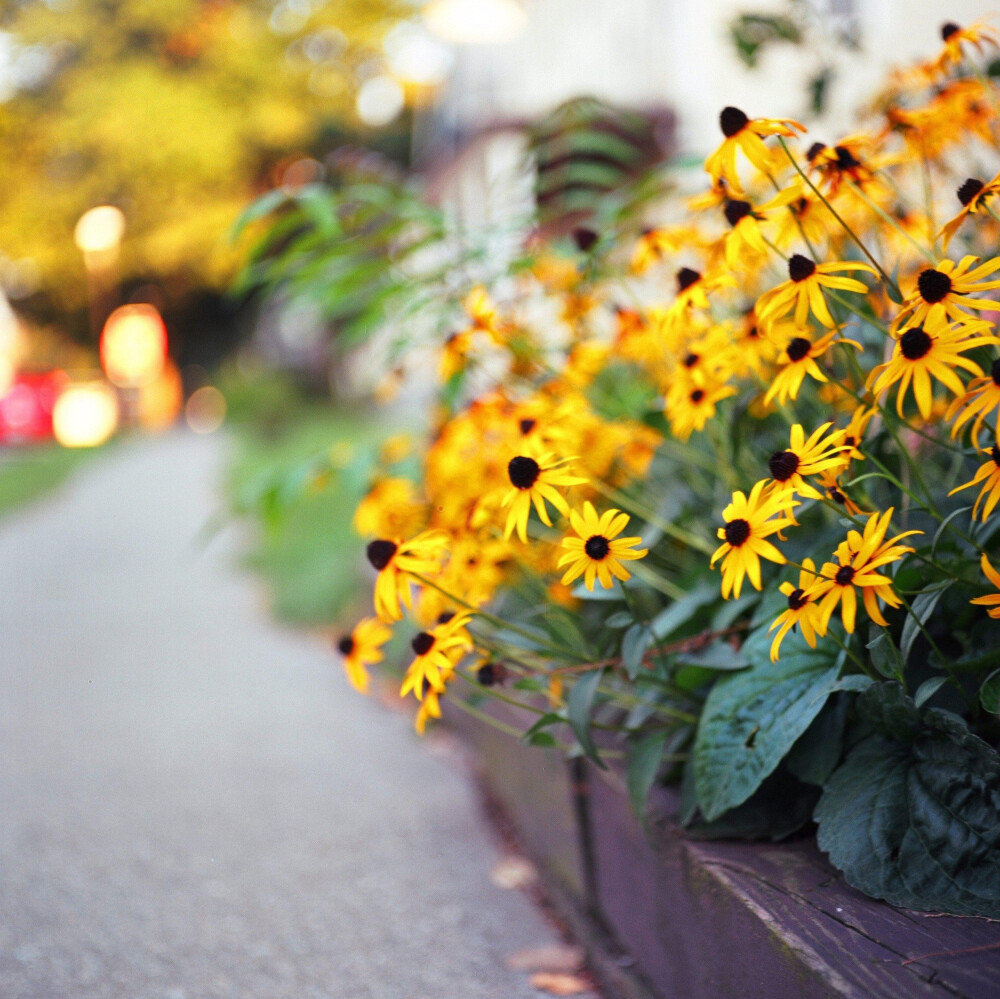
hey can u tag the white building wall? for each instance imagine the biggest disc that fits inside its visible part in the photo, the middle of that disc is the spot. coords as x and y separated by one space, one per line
677 53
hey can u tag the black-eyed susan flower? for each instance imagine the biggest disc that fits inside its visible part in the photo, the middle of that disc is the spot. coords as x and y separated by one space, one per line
749 521
654 244
807 456
744 243
991 600
932 350
829 484
390 508
834 164
746 134
802 611
436 652
363 647
395 560
972 195
803 290
596 552
987 477
859 560
981 398
805 217
533 479
797 360
944 291
977 35
691 401
854 432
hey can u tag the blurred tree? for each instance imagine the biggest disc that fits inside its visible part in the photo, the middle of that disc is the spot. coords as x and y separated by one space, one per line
177 111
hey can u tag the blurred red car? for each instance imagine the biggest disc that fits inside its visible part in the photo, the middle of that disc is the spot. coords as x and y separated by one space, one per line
26 407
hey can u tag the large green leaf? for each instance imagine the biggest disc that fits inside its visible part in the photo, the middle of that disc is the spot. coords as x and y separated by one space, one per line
913 814
751 719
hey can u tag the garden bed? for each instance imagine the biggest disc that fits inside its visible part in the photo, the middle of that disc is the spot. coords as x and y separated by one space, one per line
707 919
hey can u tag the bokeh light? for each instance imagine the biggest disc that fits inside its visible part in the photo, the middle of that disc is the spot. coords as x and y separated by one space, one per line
476 22
85 415
205 410
415 56
100 229
133 345
380 100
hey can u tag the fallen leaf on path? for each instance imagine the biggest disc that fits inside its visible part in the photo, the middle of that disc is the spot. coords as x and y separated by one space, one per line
560 985
513 872
555 957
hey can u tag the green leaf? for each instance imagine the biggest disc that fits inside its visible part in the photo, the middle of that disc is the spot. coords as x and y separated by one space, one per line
989 693
643 764
635 642
681 611
884 655
928 689
578 704
718 656
917 822
818 750
752 719
620 619
921 609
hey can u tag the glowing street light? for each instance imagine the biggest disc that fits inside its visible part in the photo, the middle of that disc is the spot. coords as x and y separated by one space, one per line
133 346
476 22
85 415
98 235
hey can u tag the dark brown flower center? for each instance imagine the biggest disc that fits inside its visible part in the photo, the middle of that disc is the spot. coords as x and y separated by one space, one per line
736 210
346 645
933 285
969 190
697 395
800 268
798 348
995 372
797 599
948 29
813 151
486 675
422 643
691 360
380 553
844 575
597 547
732 121
523 472
995 454
686 277
846 160
783 465
527 426
753 333
836 495
445 616
584 239
737 531
915 343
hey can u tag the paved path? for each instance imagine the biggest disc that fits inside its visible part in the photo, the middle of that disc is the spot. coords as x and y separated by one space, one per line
193 803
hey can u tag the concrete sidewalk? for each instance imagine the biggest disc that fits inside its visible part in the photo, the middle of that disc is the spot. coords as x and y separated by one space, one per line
193 802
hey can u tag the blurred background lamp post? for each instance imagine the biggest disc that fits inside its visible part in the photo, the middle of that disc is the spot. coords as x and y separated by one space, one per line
133 352
98 235
476 22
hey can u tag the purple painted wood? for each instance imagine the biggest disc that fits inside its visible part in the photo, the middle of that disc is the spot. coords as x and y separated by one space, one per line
771 920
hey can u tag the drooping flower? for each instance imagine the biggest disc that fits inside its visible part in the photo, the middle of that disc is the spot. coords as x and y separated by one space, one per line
934 349
991 600
978 35
533 480
988 478
363 647
597 551
436 653
981 398
803 289
972 195
395 561
746 134
830 484
802 610
749 521
858 560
